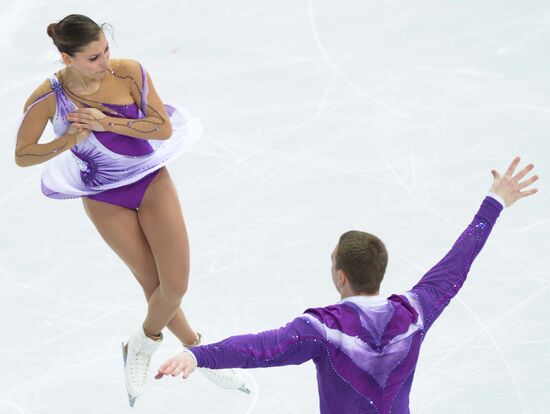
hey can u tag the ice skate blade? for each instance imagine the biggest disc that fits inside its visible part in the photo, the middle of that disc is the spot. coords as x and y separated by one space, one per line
124 353
131 399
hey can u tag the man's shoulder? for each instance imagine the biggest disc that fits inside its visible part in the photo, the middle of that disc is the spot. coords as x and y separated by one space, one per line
330 312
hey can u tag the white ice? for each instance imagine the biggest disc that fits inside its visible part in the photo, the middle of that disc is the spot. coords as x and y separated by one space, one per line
319 117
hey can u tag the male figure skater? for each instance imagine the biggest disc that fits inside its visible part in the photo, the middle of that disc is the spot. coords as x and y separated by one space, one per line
366 346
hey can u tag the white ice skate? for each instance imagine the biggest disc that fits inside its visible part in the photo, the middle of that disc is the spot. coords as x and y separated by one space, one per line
230 379
137 356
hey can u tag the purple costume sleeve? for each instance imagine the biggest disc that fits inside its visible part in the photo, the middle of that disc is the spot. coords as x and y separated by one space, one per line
443 281
293 344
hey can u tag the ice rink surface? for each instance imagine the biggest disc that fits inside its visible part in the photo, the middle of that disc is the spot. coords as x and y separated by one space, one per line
319 117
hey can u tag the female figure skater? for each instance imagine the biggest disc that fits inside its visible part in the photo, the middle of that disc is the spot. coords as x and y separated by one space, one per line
114 136
366 346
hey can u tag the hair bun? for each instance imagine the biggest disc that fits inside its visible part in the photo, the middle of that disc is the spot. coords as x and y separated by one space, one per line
51 30
72 33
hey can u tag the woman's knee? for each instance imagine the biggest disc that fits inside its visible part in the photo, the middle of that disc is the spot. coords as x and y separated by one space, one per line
174 289
148 281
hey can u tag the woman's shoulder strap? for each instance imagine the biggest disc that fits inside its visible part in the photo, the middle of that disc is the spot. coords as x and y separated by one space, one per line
40 94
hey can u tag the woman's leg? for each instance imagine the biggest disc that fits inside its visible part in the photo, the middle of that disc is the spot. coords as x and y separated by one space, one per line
164 228
121 230
163 225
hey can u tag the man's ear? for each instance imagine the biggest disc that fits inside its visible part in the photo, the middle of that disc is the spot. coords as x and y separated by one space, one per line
341 278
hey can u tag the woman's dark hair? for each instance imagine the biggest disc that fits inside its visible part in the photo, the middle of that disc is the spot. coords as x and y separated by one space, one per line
74 32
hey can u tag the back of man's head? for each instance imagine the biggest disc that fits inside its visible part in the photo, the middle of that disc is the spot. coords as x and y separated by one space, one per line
363 257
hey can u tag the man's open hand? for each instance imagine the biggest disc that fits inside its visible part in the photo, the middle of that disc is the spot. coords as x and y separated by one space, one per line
510 187
182 363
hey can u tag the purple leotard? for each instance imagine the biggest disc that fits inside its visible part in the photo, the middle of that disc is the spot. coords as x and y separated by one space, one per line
111 167
365 349
128 196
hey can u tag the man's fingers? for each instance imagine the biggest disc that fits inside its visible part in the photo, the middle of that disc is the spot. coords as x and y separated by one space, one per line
168 367
528 192
165 365
528 182
178 370
523 172
173 367
496 175
512 167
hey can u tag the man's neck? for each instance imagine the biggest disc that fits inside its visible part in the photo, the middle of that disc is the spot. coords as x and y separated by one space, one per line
350 294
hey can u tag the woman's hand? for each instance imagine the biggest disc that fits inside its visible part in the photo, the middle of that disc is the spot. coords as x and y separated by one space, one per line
182 363
509 186
87 118
79 133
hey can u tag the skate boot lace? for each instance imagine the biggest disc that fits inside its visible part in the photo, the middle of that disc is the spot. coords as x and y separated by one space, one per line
139 367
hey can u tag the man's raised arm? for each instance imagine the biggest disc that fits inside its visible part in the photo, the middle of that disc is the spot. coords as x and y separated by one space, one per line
437 287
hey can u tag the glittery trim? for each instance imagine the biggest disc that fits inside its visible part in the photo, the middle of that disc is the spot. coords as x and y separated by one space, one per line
144 90
436 289
39 99
55 195
90 167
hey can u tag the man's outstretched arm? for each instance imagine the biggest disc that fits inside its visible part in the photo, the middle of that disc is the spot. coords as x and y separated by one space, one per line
293 344
442 282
